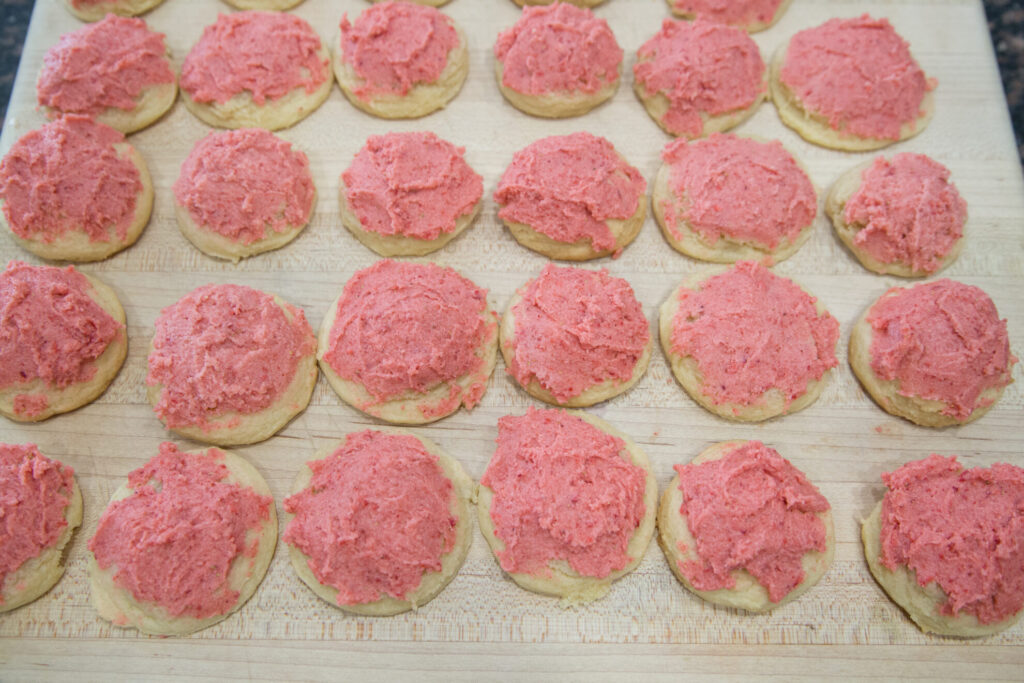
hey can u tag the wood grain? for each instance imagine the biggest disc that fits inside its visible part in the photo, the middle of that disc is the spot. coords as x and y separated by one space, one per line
483 625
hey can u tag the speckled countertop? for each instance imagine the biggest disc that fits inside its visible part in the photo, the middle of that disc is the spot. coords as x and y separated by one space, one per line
1005 21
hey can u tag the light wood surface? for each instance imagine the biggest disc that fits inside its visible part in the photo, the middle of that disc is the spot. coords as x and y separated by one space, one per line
483 625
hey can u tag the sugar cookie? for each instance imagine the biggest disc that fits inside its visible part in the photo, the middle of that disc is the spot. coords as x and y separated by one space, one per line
94 10
749 15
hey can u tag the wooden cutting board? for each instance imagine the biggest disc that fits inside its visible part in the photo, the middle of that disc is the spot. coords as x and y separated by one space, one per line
483 625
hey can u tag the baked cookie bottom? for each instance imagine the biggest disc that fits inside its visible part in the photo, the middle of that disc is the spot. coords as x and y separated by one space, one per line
624 231
122 8
152 103
215 244
555 105
657 105
752 27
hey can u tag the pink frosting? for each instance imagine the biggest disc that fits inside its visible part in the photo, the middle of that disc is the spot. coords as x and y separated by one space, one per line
394 46
268 54
174 539
703 68
224 349
738 188
736 12
34 495
50 329
411 184
943 341
103 65
960 528
858 74
563 490
750 509
909 211
68 177
374 518
749 331
246 185
568 186
576 328
405 327
558 48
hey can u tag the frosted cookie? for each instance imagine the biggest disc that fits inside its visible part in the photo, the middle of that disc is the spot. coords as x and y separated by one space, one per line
256 70
578 3
41 507
62 340
742 527
399 60
380 522
408 194
728 198
183 543
243 192
947 545
567 503
936 353
74 190
697 78
572 197
94 10
747 344
265 5
557 61
229 365
575 337
851 84
749 15
409 343
899 216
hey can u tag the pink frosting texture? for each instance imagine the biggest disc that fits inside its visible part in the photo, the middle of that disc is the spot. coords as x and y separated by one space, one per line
267 54
246 185
736 12
749 331
858 74
68 177
411 184
224 349
909 211
103 65
576 328
34 495
405 328
394 46
738 188
703 68
558 48
960 528
563 490
50 329
943 341
375 517
174 539
752 510
568 186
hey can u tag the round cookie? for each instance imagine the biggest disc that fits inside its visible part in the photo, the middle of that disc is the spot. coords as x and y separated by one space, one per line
256 70
900 216
947 545
727 199
572 197
399 60
574 337
62 340
578 3
409 343
243 192
747 344
94 10
230 365
74 190
183 543
408 194
380 522
546 462
749 15
701 77
852 85
557 61
264 5
41 507
742 527
936 353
